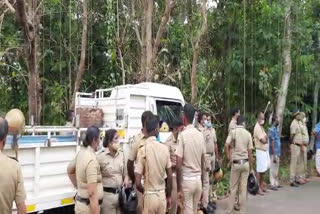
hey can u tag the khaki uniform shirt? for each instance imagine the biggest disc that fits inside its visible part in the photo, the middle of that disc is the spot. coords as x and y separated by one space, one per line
152 162
210 139
232 125
296 132
87 171
305 134
113 168
138 142
11 184
240 140
259 133
190 148
172 144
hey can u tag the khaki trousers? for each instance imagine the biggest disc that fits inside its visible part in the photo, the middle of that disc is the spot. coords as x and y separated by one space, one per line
274 171
140 202
110 204
155 203
174 197
81 208
295 155
238 182
206 189
192 190
302 164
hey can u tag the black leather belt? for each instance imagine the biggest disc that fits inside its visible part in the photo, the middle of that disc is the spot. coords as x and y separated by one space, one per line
297 144
86 201
111 190
240 161
210 153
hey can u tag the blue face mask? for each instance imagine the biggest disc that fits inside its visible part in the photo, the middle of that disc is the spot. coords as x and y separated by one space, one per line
158 137
208 124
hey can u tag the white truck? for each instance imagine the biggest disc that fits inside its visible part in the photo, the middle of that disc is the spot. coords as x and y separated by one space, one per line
44 154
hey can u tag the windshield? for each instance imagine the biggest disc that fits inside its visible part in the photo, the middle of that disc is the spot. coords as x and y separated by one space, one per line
168 111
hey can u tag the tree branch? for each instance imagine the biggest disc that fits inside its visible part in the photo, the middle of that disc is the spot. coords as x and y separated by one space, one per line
10 7
164 22
135 26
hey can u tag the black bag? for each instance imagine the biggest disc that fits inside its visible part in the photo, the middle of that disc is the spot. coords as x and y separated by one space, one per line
128 200
253 186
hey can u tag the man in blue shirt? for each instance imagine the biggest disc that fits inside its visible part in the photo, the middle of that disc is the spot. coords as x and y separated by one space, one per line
316 132
275 152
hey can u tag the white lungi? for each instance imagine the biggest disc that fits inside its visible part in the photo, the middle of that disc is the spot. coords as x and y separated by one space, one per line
318 160
263 161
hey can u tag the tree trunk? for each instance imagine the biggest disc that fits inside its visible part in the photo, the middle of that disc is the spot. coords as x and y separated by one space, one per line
281 104
82 62
148 39
196 49
315 112
29 22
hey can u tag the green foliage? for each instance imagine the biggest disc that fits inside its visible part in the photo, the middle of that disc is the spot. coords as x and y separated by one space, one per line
235 41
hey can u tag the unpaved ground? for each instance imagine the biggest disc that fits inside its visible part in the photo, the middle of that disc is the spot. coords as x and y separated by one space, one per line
288 200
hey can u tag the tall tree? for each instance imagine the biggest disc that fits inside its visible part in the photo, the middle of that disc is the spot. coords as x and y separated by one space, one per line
196 50
149 46
281 104
29 19
82 62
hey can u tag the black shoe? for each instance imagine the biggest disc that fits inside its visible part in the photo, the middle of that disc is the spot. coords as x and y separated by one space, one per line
273 188
279 186
294 184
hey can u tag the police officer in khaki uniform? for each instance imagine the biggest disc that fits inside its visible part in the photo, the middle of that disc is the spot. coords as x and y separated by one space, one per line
138 142
235 113
113 170
239 152
190 163
84 173
11 183
305 143
210 143
296 148
155 165
172 144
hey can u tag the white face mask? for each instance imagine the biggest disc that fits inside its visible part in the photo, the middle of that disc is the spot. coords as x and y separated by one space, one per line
262 122
304 120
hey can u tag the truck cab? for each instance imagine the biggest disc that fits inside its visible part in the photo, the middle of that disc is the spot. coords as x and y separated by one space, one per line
123 106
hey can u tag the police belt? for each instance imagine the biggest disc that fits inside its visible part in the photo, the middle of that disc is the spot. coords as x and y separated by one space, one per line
86 201
210 153
111 190
297 144
240 161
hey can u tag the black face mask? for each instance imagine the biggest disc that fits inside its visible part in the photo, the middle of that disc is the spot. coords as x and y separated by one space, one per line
276 123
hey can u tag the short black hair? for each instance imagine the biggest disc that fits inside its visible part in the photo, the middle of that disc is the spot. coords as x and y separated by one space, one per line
259 113
234 110
4 128
177 121
70 115
145 116
93 133
240 120
200 116
109 135
152 123
188 111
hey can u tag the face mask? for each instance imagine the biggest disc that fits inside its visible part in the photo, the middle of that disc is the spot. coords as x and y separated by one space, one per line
262 122
276 123
207 124
304 120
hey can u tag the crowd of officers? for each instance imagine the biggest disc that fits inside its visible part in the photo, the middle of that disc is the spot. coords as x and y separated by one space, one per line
173 176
